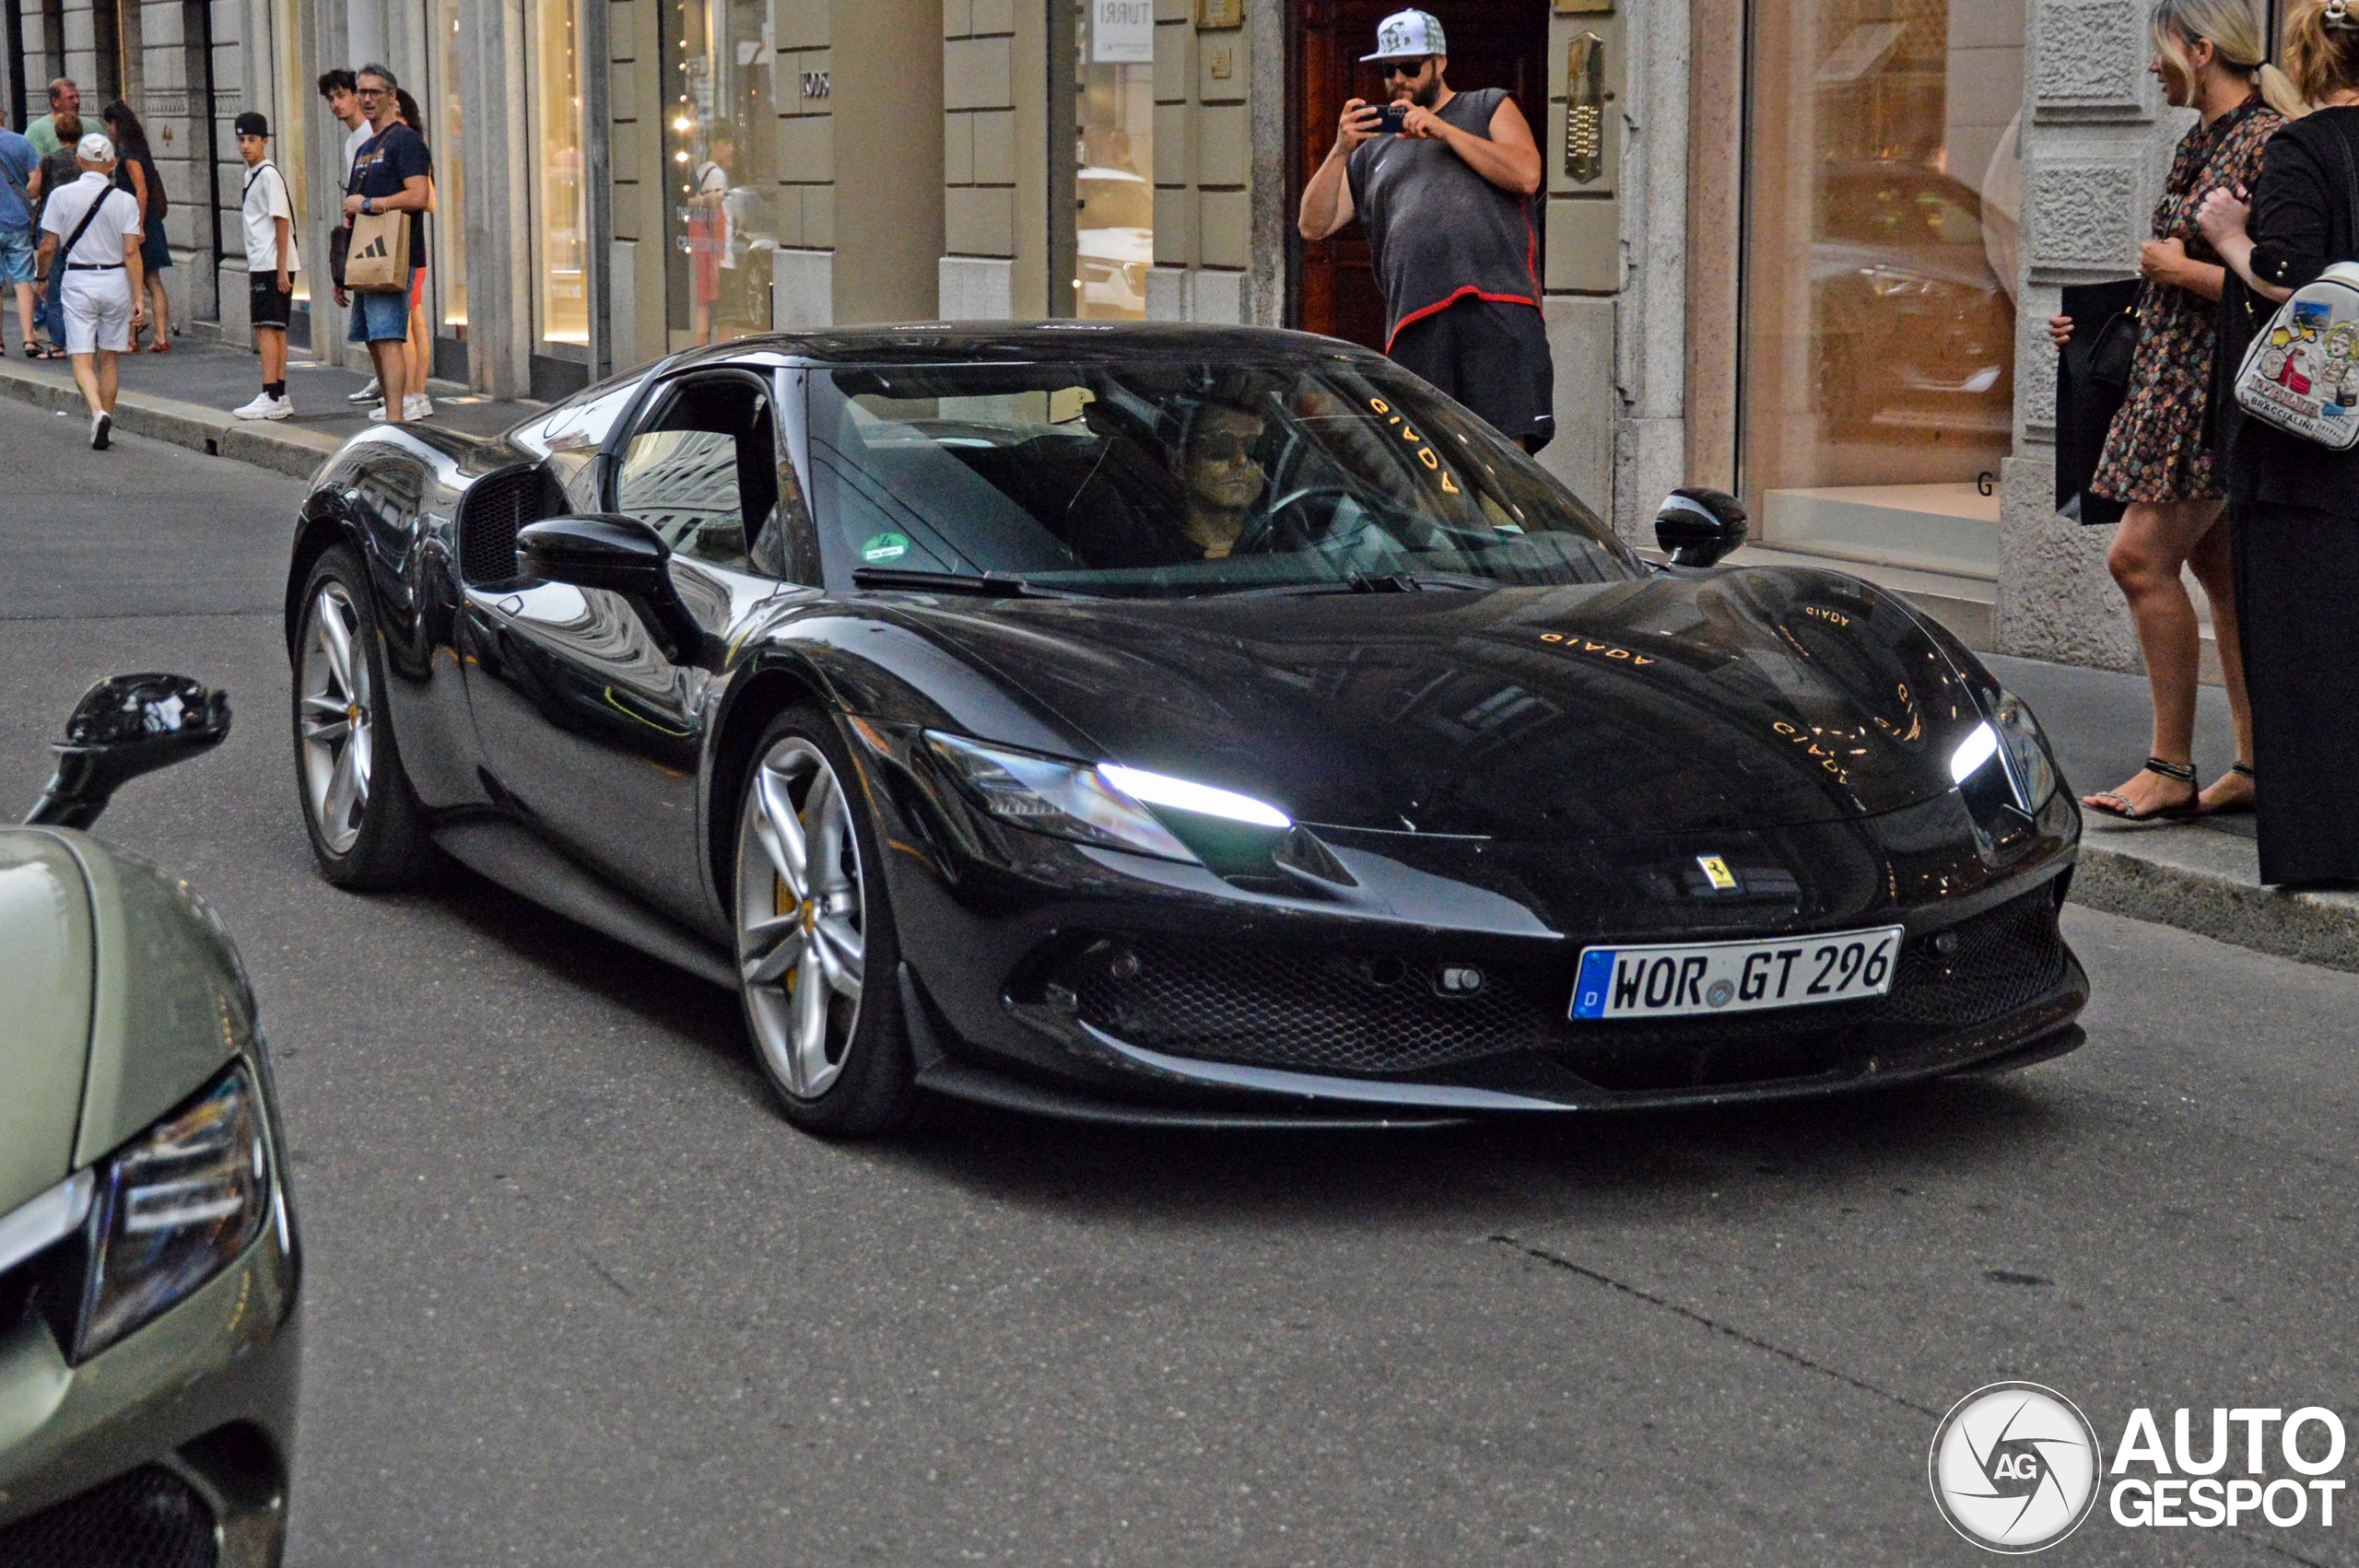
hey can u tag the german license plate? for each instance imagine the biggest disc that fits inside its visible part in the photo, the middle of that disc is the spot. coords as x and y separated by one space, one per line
1676 982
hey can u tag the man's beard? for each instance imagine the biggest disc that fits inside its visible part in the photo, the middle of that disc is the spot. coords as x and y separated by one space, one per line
1425 96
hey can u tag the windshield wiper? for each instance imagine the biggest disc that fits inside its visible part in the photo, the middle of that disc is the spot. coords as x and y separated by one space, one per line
986 585
1362 582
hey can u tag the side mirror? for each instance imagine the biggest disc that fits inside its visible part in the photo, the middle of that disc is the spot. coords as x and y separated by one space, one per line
124 726
1696 526
623 556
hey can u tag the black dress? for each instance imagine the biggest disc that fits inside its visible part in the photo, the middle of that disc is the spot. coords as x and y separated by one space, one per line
2296 506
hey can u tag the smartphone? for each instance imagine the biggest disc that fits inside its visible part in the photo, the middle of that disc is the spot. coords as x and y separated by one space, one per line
1392 120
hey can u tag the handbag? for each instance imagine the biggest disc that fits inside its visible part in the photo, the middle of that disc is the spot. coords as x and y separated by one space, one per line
2091 383
2301 373
377 258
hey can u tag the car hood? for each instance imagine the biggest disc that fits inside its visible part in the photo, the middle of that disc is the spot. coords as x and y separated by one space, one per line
1683 702
125 995
45 962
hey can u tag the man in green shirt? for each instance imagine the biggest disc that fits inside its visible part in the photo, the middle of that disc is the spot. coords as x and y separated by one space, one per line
64 100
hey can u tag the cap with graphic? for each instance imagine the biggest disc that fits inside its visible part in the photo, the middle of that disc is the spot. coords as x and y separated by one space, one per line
1405 35
95 147
252 122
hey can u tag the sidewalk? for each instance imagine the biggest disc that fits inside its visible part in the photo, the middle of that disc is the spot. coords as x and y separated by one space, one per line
185 397
2200 877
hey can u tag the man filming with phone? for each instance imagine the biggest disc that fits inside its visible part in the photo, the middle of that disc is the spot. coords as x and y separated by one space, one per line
1444 182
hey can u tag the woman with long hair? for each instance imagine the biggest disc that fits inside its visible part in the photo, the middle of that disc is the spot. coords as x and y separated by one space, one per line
420 346
2297 503
135 171
2159 455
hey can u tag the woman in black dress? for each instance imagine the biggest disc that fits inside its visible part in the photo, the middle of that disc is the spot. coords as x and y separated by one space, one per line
135 172
2297 504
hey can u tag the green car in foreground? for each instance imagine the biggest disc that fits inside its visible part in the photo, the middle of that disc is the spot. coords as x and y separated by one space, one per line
148 1342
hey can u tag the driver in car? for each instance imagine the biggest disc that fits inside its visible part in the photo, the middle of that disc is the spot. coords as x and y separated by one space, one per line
1213 462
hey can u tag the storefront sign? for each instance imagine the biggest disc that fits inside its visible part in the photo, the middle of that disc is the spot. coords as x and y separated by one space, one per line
1121 32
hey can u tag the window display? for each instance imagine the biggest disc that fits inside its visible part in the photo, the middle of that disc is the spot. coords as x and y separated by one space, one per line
1114 182
560 195
1878 360
722 163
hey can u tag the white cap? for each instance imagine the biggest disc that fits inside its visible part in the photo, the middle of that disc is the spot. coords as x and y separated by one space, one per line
95 147
1405 35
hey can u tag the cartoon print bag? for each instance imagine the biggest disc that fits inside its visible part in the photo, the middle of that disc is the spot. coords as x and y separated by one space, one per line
2301 375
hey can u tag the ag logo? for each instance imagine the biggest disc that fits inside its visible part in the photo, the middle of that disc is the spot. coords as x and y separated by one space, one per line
2014 1468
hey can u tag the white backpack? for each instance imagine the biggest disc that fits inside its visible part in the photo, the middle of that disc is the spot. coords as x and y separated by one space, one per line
2301 375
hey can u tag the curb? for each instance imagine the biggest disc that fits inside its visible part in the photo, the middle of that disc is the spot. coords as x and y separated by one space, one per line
297 453
2211 889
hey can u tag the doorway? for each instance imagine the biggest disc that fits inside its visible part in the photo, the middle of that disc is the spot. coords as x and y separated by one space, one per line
1492 44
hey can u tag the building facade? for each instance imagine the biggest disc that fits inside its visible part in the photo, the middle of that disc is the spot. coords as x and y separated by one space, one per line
1797 248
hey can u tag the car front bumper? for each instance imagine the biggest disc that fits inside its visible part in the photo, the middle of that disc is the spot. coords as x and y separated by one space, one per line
184 1428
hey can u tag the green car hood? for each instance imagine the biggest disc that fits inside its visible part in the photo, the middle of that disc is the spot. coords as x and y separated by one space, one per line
137 998
45 941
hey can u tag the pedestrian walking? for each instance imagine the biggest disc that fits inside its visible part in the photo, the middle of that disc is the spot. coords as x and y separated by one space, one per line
389 174
2160 453
135 172
19 175
269 210
50 134
58 170
1447 201
2297 503
91 238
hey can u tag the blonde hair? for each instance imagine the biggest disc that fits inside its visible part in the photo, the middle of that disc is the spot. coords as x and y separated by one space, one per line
2322 47
2234 32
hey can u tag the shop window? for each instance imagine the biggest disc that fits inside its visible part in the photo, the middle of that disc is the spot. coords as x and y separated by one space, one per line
1879 275
1114 180
722 168
561 194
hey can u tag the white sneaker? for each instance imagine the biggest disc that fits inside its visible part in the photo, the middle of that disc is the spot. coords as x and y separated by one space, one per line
265 407
366 394
417 405
100 425
377 414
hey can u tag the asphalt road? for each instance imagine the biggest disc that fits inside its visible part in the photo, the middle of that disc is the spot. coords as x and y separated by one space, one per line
577 1296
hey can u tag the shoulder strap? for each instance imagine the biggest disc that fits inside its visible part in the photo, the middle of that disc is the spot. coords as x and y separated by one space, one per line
18 185
65 251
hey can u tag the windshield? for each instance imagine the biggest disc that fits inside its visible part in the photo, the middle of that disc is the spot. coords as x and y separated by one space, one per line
1170 478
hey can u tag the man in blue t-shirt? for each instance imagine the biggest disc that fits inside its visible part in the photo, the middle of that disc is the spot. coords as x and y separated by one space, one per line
18 159
390 174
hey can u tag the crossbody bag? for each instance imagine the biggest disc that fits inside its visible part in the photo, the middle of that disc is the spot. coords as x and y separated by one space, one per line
2301 373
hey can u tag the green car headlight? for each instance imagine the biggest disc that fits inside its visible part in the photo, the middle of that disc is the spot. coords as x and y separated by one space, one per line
173 1208
2030 769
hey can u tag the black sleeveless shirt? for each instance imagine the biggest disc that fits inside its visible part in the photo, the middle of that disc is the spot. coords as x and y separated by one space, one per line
1437 231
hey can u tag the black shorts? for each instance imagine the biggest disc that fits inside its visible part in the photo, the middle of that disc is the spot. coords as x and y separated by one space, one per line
1492 358
266 306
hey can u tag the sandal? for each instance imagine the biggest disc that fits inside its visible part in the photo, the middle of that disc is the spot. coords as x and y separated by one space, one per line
2122 811
2242 770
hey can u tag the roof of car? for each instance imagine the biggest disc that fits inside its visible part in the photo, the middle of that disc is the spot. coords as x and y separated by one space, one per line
934 343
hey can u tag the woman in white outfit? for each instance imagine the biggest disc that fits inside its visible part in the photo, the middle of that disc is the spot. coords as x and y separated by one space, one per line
90 239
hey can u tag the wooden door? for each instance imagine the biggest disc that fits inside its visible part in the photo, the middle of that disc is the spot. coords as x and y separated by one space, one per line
1493 43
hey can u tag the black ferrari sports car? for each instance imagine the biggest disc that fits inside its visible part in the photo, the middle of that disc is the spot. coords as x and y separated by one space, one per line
1171 724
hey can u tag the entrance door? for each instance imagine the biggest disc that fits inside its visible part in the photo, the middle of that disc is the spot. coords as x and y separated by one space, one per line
1493 43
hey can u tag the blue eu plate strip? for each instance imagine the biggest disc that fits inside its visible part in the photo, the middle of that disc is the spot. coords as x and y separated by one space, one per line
1589 990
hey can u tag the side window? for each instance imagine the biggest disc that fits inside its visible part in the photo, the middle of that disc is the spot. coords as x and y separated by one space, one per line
703 471
683 484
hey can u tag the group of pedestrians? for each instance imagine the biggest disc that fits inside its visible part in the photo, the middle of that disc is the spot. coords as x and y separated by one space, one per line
2260 199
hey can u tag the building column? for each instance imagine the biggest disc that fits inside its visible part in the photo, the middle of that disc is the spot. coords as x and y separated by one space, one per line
2096 146
980 151
499 199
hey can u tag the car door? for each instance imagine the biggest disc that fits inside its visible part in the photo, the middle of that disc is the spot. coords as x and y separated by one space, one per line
591 733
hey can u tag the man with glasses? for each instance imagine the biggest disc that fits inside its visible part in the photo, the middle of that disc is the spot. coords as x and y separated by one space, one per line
390 175
1448 204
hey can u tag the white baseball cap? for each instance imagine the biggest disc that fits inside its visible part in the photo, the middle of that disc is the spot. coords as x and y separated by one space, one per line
95 147
1405 35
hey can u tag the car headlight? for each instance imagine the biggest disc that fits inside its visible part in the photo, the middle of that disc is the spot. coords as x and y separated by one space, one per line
1106 804
2030 767
173 1208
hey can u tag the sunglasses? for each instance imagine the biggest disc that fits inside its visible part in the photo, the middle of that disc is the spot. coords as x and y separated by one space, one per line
1412 69
371 92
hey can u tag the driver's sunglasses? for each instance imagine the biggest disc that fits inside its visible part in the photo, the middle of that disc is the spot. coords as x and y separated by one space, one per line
1412 69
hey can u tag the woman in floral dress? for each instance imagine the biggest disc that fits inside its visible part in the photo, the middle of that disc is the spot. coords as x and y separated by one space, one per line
2158 455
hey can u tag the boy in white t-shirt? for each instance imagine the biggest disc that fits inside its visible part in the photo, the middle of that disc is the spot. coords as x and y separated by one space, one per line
271 264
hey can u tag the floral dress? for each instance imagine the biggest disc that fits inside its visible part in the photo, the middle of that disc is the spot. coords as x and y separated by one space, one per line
2157 449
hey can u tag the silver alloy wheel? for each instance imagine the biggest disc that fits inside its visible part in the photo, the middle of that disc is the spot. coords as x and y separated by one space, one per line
802 910
335 716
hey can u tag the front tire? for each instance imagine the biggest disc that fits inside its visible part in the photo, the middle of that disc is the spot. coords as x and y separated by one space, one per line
363 820
817 949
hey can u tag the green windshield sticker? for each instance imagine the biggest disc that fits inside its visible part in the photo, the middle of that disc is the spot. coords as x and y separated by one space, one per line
885 547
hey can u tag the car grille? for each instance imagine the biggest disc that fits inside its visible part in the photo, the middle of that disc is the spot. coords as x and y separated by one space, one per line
146 1518
496 506
1321 1011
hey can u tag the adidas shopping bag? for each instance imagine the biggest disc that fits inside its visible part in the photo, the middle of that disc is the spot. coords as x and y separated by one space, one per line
378 259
